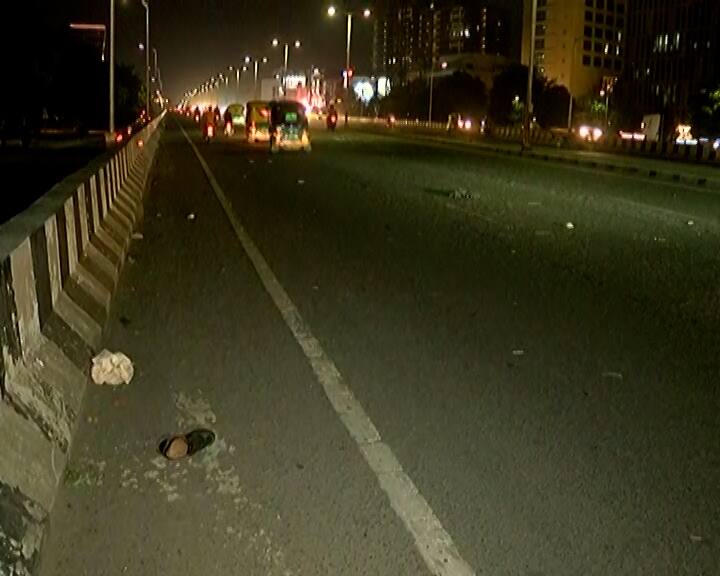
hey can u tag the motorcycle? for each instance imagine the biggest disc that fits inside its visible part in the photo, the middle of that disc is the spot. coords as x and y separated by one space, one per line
332 121
208 133
229 128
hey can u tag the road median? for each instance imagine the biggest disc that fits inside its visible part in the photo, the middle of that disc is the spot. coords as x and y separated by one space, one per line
706 175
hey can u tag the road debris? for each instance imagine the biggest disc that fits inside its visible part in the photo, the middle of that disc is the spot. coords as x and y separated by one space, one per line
613 375
301 182
191 216
184 445
460 194
691 223
138 236
570 226
519 352
112 368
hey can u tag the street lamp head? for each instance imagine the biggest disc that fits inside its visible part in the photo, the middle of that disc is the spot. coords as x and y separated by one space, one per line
231 68
264 60
244 68
275 42
141 47
367 13
444 65
332 11
298 44
248 59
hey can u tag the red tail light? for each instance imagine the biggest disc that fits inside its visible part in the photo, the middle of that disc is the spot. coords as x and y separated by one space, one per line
211 131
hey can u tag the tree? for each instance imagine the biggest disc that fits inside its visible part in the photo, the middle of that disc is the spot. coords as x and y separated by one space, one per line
460 93
552 105
705 113
128 93
509 90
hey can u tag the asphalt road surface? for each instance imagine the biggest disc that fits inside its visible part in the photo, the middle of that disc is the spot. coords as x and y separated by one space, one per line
536 345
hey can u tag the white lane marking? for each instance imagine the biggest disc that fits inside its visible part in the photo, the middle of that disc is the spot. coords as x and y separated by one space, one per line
431 539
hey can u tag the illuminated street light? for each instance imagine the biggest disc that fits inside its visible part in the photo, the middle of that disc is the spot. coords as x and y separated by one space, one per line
286 53
332 11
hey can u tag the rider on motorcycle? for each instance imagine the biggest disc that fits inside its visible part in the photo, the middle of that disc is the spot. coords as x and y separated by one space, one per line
208 120
332 117
228 121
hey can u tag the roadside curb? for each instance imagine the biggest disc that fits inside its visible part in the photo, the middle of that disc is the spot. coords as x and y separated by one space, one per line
607 166
60 261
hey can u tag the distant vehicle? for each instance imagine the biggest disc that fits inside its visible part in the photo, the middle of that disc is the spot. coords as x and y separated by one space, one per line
588 133
16 128
257 121
651 127
289 127
237 111
458 123
208 132
332 119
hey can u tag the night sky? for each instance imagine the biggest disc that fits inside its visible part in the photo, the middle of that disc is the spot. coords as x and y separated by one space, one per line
199 38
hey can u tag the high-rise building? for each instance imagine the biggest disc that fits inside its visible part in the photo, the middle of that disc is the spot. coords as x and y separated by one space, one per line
578 43
412 34
672 54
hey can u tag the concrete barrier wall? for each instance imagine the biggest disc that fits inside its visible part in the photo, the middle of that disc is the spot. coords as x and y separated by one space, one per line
59 264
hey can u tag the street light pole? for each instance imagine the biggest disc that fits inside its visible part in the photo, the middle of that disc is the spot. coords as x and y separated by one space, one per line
285 65
347 53
576 41
146 5
531 74
432 82
257 72
111 123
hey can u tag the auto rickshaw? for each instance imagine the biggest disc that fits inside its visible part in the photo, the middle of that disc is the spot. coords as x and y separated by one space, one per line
289 127
257 121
